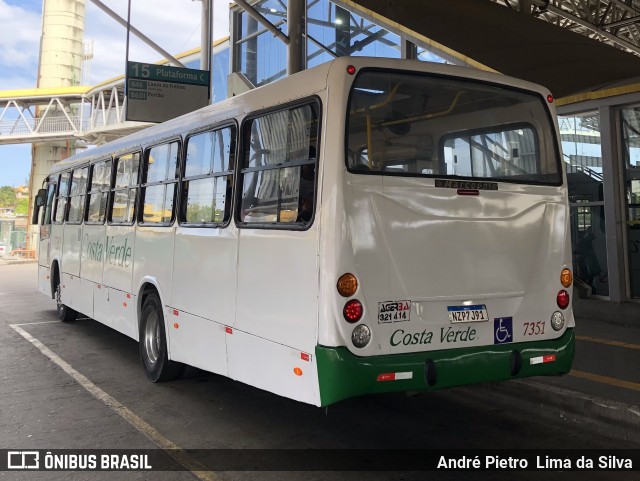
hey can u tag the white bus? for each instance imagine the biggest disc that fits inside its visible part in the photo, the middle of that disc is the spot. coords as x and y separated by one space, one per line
365 226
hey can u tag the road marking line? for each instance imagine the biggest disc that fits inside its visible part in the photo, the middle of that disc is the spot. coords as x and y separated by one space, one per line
172 449
612 381
608 342
33 323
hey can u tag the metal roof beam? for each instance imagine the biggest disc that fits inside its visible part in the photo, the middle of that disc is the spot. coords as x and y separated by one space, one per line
594 28
138 33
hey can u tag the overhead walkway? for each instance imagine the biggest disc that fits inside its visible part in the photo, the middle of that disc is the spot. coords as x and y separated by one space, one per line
93 114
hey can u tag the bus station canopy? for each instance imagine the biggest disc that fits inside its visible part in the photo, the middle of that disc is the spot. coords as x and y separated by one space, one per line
511 42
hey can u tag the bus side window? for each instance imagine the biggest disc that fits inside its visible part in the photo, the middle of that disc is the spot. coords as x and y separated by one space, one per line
45 221
279 167
77 196
51 192
125 188
160 178
99 184
208 177
61 198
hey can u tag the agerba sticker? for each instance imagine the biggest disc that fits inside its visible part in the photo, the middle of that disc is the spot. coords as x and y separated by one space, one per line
394 311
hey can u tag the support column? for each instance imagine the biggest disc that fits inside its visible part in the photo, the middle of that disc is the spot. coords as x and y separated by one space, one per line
205 37
614 217
409 50
60 65
296 13
343 32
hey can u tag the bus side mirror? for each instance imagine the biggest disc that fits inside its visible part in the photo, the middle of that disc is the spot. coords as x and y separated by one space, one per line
39 201
41 197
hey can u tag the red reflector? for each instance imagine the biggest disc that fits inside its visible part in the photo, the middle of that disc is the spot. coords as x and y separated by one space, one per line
228 330
352 311
175 312
176 325
549 358
387 376
351 70
550 98
128 296
468 192
563 299
304 356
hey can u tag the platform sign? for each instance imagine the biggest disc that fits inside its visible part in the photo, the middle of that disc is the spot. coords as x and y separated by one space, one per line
156 93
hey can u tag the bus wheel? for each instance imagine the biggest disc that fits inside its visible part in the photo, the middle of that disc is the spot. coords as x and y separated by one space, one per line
65 313
153 343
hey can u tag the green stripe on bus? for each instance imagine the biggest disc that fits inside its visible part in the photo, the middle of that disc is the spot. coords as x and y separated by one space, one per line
343 375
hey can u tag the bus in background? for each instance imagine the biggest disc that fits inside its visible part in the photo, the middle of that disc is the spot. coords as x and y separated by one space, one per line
366 226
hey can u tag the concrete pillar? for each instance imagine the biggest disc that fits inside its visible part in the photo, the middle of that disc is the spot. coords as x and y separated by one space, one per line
60 65
61 43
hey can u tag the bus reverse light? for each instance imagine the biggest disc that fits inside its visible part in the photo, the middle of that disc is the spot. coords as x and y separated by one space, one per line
353 311
563 299
557 320
361 336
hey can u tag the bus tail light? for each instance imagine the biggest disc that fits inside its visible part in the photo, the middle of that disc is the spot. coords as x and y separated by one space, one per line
347 285
566 277
353 311
361 336
563 299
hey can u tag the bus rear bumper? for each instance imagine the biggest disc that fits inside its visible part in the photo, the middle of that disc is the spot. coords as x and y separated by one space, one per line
343 375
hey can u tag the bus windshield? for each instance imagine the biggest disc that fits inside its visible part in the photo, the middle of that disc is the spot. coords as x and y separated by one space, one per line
425 125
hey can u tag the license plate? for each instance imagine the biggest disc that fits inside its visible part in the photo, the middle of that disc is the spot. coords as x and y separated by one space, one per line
394 311
477 313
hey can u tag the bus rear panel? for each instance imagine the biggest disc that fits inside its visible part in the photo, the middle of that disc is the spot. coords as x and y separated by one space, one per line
455 248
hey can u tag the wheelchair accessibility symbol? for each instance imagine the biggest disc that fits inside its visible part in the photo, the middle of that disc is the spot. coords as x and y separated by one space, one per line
502 330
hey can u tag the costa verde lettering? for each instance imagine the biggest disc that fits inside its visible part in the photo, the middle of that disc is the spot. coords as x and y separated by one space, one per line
94 250
454 335
410 339
114 253
447 335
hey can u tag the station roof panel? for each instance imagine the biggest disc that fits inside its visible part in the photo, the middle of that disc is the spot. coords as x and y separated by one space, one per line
511 42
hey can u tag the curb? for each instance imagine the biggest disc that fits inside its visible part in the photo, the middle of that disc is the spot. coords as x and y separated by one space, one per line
604 416
11 262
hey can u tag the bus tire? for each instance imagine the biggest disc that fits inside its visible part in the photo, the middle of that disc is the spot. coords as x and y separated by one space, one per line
65 313
153 343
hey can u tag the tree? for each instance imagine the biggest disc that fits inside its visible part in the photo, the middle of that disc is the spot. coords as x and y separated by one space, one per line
22 206
7 196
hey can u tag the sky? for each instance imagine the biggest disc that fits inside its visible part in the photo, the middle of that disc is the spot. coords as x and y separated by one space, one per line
173 24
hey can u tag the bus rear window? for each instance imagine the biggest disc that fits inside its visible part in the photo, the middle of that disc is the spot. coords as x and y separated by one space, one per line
425 125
